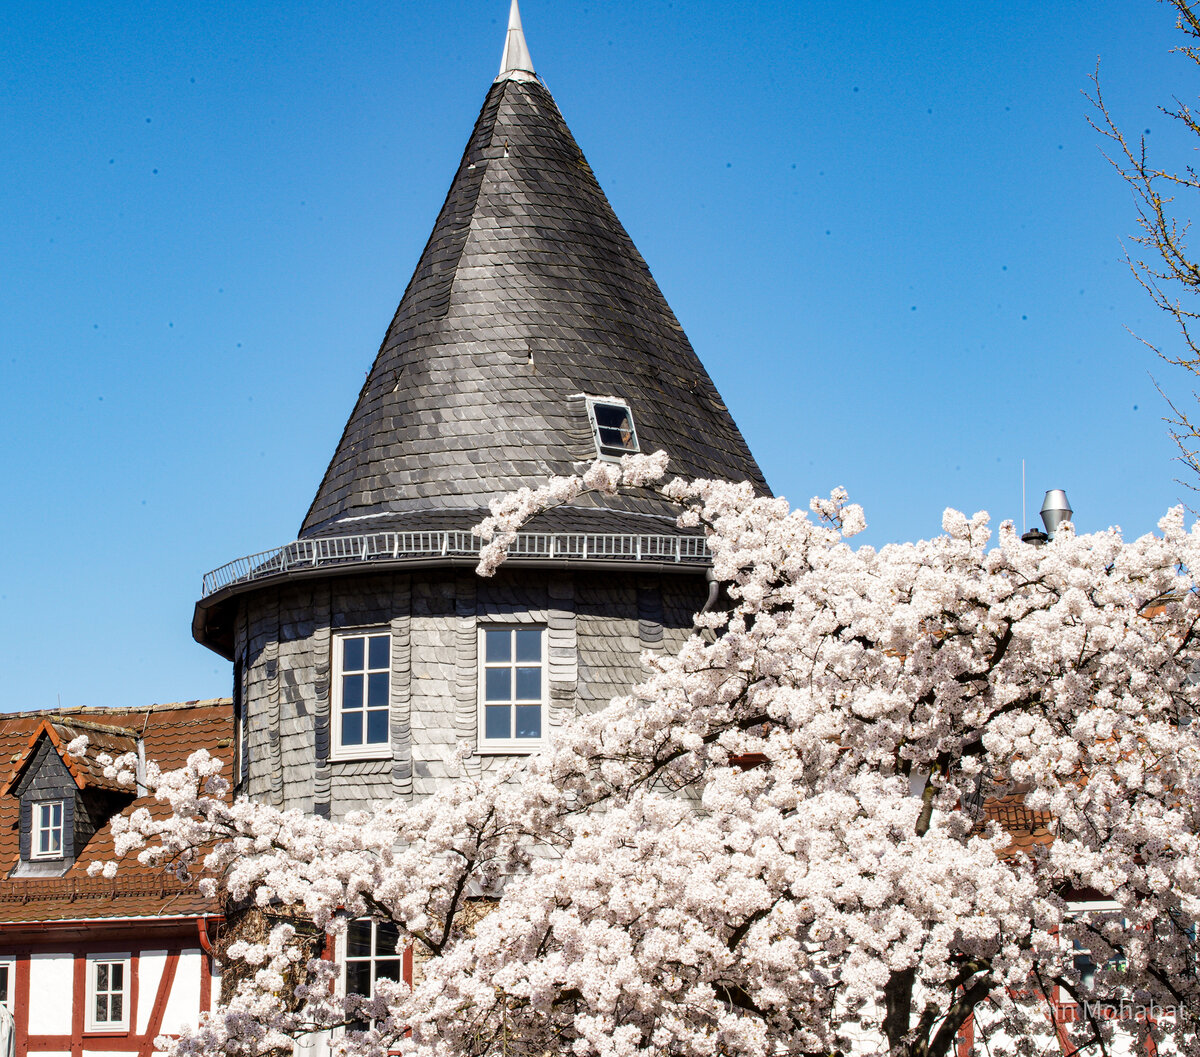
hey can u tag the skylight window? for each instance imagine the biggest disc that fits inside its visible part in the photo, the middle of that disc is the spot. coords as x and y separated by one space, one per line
612 426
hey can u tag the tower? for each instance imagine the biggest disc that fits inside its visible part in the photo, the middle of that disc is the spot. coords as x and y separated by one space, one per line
531 340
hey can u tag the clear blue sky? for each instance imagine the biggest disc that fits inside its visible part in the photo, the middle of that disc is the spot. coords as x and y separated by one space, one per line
887 229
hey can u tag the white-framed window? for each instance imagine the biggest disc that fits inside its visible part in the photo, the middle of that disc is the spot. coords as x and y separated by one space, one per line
362 662
47 837
1095 913
108 992
612 427
512 687
373 953
8 980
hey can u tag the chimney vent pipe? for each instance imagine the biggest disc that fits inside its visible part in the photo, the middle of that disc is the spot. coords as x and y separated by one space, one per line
1055 510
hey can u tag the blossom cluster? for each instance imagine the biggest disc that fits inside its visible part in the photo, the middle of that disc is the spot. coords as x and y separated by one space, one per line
775 843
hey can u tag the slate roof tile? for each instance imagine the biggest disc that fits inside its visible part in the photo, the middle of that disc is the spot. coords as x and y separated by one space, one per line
526 258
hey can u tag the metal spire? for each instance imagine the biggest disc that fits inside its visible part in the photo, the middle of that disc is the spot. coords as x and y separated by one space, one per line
515 64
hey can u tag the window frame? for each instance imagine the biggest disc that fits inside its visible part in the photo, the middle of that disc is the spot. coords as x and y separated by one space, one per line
37 830
366 750
9 967
92 991
403 955
1081 956
612 454
511 746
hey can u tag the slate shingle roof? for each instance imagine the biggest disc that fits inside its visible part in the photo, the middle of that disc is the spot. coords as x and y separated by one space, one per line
528 294
170 734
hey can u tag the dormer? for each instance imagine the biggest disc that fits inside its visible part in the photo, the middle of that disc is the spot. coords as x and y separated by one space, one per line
65 798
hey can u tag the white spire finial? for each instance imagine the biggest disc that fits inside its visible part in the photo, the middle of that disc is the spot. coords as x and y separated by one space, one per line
515 64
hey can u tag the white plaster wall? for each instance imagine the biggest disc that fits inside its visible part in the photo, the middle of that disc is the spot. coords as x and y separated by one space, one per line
316 1045
51 980
183 1007
150 970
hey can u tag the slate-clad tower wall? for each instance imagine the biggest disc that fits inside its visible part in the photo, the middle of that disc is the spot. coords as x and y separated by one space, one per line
529 303
595 628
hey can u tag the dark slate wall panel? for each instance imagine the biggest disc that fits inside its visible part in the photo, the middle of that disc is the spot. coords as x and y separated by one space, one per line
46 778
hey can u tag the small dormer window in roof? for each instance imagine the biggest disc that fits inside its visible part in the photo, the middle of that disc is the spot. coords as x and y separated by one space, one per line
612 426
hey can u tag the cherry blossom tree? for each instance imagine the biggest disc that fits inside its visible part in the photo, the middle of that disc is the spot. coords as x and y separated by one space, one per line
1163 260
775 843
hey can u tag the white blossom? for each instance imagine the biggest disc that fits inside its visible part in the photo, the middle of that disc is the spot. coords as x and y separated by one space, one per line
773 845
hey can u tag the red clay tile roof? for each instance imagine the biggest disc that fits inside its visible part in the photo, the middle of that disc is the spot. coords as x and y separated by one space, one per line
85 769
1025 827
170 733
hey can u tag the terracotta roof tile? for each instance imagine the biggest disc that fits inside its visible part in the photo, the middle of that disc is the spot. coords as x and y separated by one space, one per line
1025 827
170 733
86 769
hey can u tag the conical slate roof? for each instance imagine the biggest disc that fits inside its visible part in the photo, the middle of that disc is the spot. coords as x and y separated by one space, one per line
528 297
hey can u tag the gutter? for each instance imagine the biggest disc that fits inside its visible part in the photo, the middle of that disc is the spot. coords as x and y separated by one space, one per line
205 942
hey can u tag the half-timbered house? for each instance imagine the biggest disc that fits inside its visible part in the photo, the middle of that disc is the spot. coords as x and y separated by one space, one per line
93 965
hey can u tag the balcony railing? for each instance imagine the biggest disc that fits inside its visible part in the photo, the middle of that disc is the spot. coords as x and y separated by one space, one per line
400 546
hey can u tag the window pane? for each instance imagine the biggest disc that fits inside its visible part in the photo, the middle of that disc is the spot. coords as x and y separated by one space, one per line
387 969
615 426
499 646
529 684
4 984
529 644
56 816
377 727
352 691
529 721
497 684
387 936
496 721
117 975
358 978
358 939
377 690
611 415
102 1009
352 732
102 977
352 655
379 651
115 1007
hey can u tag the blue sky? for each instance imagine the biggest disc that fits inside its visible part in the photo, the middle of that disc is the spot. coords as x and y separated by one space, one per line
888 230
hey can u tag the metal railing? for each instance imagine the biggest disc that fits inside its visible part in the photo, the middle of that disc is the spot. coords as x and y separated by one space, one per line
398 546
